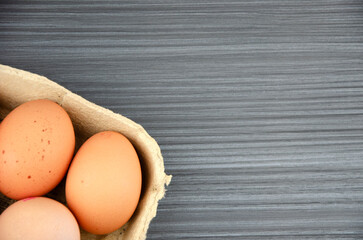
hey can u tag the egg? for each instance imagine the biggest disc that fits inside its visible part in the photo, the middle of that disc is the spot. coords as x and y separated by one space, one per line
37 143
38 218
103 184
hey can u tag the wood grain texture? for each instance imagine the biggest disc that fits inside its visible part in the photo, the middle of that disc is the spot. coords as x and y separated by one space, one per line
257 105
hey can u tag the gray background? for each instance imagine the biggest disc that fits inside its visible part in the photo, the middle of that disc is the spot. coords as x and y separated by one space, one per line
256 105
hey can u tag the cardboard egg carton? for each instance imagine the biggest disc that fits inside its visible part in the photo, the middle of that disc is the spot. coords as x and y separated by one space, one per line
18 86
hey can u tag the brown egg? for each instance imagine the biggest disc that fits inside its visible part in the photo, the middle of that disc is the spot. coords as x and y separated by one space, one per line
104 183
38 218
36 146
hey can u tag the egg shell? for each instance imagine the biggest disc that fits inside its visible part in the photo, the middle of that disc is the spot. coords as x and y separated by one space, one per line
104 183
38 218
37 143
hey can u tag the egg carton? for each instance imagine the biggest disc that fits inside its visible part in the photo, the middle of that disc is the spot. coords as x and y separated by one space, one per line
18 86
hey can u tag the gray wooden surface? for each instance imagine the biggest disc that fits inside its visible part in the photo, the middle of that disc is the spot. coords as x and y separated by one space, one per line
257 105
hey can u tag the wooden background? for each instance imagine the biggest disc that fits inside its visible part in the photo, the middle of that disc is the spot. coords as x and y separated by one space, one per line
257 105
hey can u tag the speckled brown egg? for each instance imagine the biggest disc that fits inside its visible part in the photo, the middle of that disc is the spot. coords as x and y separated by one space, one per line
37 142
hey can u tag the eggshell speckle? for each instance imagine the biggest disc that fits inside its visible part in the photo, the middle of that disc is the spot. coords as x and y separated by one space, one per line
104 183
38 218
36 146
